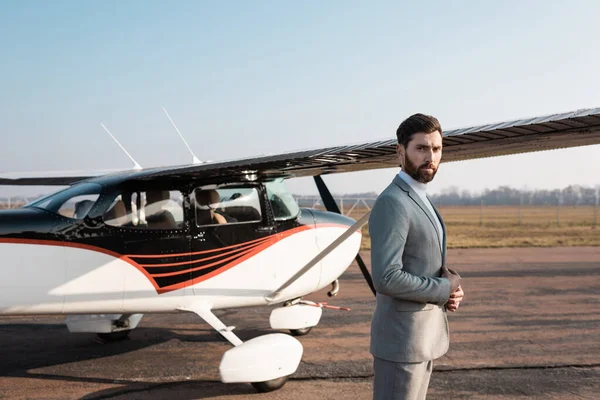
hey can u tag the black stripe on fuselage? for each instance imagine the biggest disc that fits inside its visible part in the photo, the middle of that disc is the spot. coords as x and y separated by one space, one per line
186 276
141 246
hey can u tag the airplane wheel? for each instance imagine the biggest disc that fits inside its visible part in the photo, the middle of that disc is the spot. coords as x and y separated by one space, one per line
300 332
269 386
113 336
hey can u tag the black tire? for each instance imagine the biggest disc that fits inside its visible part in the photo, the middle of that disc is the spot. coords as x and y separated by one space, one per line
269 386
300 332
113 336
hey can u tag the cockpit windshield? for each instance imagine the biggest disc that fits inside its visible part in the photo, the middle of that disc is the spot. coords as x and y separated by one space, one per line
282 202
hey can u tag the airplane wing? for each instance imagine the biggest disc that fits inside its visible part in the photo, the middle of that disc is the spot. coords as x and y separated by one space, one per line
52 178
577 128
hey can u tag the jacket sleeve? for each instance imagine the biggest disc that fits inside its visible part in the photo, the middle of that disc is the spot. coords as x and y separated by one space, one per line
389 228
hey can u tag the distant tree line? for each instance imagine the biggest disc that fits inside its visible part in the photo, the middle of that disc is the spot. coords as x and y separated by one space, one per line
504 195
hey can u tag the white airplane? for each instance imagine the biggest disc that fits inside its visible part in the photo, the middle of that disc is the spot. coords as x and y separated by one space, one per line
208 236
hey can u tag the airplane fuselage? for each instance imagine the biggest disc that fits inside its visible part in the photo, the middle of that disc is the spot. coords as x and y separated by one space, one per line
54 264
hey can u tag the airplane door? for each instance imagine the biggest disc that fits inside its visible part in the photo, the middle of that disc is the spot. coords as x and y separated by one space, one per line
158 244
231 241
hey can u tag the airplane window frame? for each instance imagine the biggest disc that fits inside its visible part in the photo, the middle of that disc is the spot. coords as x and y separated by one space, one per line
93 198
258 206
277 188
132 216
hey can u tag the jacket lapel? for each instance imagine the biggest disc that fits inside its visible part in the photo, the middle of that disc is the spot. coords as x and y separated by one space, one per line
443 228
415 197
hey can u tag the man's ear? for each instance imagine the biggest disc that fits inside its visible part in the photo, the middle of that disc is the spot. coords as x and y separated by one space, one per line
400 152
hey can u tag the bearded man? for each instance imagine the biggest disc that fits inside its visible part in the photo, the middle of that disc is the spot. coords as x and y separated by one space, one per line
409 328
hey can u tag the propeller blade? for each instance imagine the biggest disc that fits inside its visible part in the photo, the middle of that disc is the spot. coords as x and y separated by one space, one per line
331 205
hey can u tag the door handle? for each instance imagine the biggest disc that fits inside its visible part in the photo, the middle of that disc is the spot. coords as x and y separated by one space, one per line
268 229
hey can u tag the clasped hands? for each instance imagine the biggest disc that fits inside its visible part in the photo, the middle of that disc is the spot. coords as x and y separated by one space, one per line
456 292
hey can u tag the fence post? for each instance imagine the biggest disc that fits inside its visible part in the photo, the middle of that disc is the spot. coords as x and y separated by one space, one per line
520 206
342 205
481 214
596 210
559 202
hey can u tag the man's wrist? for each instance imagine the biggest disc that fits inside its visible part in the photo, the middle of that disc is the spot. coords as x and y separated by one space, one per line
446 291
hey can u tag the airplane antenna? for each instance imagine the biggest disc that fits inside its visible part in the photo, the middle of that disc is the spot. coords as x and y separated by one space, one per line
136 165
195 159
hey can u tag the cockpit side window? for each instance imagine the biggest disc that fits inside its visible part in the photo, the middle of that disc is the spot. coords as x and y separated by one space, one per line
79 206
149 209
283 204
226 205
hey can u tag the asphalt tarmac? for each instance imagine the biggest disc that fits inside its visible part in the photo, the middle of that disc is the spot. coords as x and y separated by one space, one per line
529 327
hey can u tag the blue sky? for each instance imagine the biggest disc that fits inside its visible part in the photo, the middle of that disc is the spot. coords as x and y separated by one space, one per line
263 77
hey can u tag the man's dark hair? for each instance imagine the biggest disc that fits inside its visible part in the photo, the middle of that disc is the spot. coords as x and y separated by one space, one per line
417 123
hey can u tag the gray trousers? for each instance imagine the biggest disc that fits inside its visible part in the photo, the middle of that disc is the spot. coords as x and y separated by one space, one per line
400 381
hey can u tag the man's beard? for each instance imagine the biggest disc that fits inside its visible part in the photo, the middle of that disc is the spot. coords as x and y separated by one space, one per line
418 173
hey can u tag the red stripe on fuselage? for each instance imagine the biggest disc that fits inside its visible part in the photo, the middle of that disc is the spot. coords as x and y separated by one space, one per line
262 244
240 249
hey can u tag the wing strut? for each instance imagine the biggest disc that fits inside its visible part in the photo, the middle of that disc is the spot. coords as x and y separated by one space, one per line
331 206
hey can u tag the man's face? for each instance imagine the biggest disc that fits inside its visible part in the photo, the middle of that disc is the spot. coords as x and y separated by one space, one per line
421 158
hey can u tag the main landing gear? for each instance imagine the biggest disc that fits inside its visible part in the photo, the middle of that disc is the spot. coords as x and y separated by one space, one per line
265 361
300 332
299 317
269 386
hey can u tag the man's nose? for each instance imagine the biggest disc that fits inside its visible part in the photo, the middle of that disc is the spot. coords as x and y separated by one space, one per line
429 156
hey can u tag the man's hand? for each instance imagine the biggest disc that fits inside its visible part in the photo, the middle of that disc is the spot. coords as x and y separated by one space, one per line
453 277
455 299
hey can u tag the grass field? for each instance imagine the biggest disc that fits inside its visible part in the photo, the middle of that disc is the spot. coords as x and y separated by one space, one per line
509 226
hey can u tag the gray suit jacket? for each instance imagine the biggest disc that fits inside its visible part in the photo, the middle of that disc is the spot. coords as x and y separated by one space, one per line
409 323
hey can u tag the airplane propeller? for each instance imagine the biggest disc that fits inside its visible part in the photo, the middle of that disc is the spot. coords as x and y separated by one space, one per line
331 206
